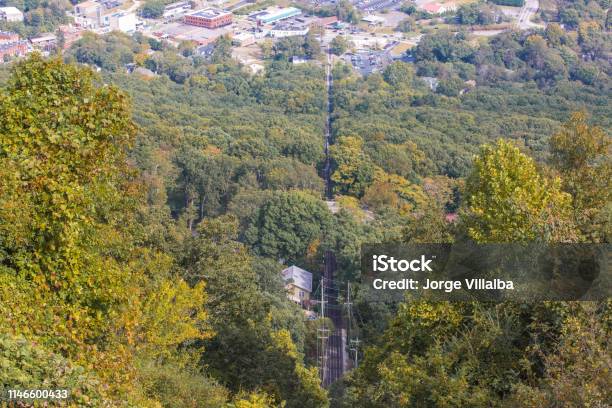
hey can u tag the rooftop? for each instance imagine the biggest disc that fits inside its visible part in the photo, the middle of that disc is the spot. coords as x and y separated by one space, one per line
43 38
10 45
87 4
299 277
290 26
10 9
209 13
432 7
276 13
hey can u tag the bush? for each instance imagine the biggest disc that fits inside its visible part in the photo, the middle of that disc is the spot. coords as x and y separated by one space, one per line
450 87
26 365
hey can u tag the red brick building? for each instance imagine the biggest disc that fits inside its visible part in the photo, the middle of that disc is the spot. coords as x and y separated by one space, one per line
7 36
208 18
13 49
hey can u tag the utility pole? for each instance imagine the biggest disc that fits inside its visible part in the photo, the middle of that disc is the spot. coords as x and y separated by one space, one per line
348 306
323 334
354 346
353 343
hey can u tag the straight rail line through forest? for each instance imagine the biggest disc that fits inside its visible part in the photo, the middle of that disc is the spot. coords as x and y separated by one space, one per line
331 362
329 86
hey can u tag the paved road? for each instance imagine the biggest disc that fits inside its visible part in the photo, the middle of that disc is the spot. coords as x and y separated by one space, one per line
527 11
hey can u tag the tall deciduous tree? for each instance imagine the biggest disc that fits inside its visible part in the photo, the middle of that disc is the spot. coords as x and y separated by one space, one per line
581 155
287 224
72 274
508 200
353 171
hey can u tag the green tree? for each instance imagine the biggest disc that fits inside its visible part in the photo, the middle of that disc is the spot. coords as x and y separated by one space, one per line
399 74
339 45
345 11
443 46
74 278
353 171
406 25
248 322
223 50
581 155
153 9
429 223
468 13
573 370
450 87
506 199
287 224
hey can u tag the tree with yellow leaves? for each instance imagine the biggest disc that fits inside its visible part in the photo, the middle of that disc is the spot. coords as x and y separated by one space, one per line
507 200
74 280
580 154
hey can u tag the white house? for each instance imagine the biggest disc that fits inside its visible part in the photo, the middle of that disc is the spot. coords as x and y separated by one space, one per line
298 283
11 14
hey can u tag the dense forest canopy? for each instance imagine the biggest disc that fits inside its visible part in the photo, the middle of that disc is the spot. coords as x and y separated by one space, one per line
145 219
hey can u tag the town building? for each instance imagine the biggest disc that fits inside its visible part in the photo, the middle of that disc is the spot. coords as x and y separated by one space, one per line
437 8
45 42
12 49
288 29
10 14
177 9
298 283
121 21
323 22
208 18
88 14
273 16
87 8
243 39
8 36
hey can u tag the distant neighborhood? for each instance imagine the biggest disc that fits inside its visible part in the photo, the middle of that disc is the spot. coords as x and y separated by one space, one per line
374 33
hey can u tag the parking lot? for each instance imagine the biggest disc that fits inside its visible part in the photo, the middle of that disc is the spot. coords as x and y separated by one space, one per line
375 5
368 62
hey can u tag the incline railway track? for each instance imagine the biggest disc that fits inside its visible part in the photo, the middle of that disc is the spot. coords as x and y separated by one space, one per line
332 350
